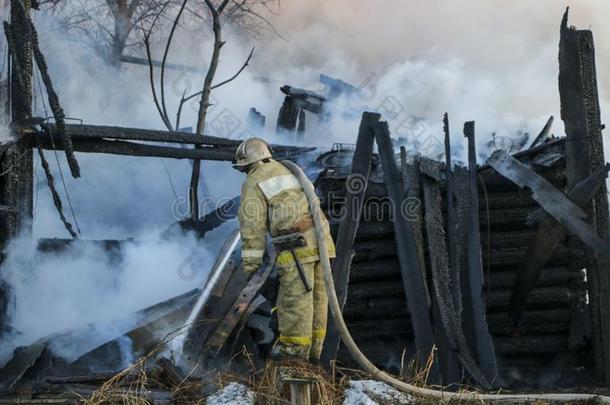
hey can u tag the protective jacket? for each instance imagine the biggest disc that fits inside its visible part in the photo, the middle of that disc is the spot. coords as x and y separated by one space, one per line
272 201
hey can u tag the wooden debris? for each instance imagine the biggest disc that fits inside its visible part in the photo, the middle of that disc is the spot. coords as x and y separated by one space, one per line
475 306
139 149
552 200
549 234
56 198
219 337
443 287
356 186
300 390
445 318
75 379
412 275
580 112
170 375
452 241
58 112
545 134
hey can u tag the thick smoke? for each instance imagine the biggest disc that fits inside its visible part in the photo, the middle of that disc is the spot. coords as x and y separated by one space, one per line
490 61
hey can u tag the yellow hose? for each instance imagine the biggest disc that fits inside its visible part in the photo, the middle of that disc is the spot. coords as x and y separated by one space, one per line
369 367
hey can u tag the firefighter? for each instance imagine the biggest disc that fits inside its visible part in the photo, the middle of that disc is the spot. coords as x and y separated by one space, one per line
273 201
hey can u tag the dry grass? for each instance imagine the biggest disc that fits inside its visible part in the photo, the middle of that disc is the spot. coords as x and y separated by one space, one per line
268 383
129 387
140 384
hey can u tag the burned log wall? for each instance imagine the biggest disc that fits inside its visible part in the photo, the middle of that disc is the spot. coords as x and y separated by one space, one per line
548 346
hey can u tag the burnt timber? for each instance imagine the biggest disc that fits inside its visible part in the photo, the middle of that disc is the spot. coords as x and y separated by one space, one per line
375 308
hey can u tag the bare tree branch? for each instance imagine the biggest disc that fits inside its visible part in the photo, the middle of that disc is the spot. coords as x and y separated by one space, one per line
167 47
241 69
205 100
151 72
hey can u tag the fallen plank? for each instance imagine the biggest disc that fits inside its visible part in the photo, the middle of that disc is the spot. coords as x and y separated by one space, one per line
549 234
97 377
552 200
219 336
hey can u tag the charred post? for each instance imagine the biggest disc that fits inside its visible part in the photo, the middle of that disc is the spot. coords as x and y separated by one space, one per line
355 189
580 112
412 274
16 161
483 345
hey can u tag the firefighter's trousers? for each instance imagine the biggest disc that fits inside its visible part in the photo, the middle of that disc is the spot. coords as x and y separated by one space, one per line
302 315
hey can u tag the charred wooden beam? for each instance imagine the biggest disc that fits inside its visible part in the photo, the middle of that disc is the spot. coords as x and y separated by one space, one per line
355 190
413 202
452 239
412 275
549 277
450 335
500 258
545 134
482 344
368 251
95 132
533 322
288 116
495 182
545 297
552 200
56 108
170 375
56 198
305 99
503 259
103 132
531 346
380 270
549 234
219 336
580 112
16 161
125 148
382 308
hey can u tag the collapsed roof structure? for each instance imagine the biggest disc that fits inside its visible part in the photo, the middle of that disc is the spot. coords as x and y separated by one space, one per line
495 275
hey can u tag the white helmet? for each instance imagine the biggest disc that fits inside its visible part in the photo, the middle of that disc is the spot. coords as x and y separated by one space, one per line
251 151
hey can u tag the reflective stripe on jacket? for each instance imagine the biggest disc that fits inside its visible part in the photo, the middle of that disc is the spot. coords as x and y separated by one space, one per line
273 201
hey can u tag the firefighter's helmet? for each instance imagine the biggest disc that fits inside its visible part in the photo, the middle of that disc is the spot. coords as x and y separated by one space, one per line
251 151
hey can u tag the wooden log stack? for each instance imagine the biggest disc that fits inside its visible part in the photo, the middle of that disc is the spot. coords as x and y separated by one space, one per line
376 309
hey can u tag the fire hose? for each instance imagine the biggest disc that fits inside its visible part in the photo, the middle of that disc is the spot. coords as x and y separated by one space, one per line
365 363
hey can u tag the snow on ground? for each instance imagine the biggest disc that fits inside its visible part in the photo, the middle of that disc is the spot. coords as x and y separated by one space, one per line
369 392
234 394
